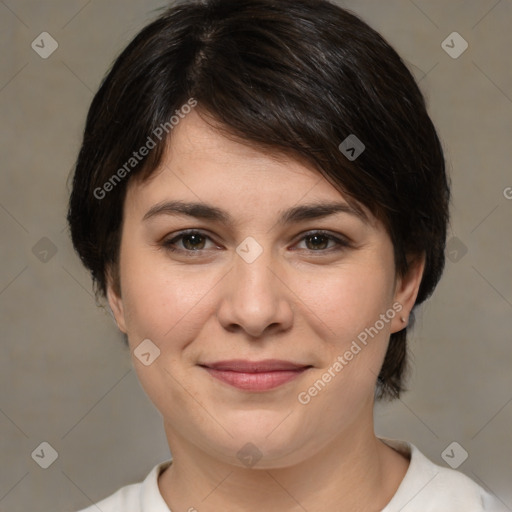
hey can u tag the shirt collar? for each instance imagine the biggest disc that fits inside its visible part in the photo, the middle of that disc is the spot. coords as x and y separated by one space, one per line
151 499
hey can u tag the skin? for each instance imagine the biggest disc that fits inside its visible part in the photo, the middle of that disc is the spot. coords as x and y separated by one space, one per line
303 300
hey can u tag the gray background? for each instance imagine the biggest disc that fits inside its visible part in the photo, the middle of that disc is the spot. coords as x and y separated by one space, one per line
65 377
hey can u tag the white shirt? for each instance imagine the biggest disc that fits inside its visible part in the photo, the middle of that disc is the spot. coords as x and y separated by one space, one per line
426 487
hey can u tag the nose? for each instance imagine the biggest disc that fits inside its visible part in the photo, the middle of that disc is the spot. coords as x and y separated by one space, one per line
255 297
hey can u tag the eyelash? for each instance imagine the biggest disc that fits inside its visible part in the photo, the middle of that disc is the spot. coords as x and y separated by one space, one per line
169 244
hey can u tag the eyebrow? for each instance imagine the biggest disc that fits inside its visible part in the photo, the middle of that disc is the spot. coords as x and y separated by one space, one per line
293 215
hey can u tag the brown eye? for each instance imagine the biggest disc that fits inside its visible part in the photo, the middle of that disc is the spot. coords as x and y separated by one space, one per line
186 242
318 241
193 241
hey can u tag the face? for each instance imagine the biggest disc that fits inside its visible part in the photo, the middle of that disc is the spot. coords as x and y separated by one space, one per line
256 274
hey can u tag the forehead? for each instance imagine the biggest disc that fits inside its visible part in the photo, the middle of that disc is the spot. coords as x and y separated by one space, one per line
201 164
197 146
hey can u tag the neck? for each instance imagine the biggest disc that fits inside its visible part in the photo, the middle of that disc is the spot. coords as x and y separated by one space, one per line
355 472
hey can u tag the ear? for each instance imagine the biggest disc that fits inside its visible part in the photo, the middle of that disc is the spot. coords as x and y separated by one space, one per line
406 291
115 299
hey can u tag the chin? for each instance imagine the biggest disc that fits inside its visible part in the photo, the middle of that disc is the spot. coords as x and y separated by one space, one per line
262 445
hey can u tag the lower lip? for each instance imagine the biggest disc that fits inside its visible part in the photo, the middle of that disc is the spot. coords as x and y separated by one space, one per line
255 381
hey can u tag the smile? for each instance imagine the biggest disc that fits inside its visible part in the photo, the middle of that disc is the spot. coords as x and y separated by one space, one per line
255 376
260 381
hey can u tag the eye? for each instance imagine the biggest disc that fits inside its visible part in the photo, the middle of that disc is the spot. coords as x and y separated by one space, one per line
192 242
318 241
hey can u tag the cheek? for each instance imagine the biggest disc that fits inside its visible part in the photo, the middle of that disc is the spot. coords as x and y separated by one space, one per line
160 300
349 305
348 300
168 306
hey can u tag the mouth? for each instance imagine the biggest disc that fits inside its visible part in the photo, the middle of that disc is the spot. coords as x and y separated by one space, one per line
255 375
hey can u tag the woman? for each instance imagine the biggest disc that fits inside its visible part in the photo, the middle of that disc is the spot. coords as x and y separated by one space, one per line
261 197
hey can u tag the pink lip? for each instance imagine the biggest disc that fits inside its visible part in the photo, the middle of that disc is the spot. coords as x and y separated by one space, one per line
255 375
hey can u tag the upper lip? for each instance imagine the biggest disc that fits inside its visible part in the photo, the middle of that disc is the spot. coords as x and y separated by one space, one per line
245 366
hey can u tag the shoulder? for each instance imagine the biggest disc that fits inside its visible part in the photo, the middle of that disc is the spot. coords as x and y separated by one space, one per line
126 499
430 488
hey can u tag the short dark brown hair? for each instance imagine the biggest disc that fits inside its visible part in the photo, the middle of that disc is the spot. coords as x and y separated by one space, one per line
292 76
